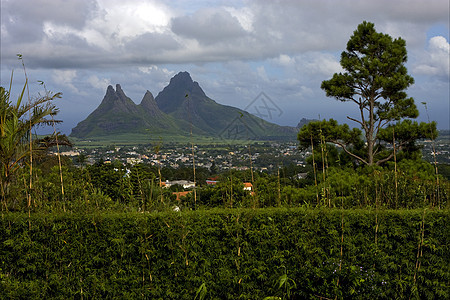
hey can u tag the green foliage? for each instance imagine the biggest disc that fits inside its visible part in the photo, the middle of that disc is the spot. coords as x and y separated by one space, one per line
201 292
320 132
99 187
227 254
406 134
16 121
375 79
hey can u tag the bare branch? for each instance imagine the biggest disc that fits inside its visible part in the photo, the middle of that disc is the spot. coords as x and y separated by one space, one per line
348 152
354 120
385 159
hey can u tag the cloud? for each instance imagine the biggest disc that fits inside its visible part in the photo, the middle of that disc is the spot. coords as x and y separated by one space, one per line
63 12
319 63
122 20
105 33
208 26
261 71
98 83
65 78
284 60
436 60
234 49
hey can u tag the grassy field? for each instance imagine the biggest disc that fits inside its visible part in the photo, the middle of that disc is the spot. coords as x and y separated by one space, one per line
143 139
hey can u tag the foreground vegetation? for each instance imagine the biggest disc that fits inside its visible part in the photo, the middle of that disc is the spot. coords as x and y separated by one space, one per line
228 254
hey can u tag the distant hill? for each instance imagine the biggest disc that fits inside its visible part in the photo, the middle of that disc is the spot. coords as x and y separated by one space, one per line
180 107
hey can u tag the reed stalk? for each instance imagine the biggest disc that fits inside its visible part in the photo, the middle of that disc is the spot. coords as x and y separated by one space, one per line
433 145
156 149
395 169
342 235
376 217
141 192
323 150
231 189
192 147
255 195
315 174
30 133
279 188
419 246
59 164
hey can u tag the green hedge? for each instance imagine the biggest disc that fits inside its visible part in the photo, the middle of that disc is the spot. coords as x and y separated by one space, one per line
227 254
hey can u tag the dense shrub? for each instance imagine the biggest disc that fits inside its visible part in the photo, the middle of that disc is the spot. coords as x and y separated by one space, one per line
230 254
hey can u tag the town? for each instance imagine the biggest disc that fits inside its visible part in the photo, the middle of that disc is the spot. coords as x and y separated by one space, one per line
265 157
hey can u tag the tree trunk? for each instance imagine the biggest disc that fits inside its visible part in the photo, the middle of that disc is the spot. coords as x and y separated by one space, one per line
369 133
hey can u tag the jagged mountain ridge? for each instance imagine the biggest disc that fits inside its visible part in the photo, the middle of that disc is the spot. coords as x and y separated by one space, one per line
180 107
118 114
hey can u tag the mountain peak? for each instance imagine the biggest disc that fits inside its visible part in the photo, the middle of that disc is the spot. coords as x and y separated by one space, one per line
148 98
110 90
120 93
173 96
149 105
148 93
182 78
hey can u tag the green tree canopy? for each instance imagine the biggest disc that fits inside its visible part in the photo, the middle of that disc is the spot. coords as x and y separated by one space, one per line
375 79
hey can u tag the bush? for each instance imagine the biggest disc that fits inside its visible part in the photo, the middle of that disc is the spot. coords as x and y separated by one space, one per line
230 254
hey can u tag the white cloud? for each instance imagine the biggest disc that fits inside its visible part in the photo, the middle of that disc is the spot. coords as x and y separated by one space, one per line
99 83
320 63
284 60
436 60
65 78
261 71
121 19
244 15
153 69
312 63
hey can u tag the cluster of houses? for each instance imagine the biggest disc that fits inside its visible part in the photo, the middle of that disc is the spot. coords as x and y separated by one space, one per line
186 184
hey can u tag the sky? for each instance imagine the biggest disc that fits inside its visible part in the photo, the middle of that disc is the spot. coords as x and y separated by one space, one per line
236 50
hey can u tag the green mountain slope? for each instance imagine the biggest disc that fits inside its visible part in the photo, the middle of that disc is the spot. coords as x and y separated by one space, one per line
182 106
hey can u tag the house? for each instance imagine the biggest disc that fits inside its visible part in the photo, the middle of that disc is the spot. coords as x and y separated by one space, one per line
302 175
133 160
181 194
184 183
248 186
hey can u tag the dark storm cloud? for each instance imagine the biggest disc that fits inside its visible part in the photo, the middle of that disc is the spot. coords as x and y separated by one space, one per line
91 33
